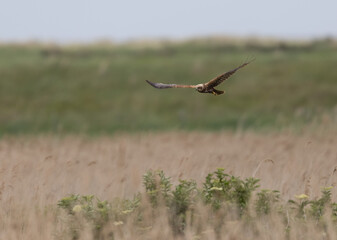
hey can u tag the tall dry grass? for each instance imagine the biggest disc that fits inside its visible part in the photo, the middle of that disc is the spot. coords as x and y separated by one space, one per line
38 171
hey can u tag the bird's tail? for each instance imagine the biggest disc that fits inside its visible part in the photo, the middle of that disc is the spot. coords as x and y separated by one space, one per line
217 92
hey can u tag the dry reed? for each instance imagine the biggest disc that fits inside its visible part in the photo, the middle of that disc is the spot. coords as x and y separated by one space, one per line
38 171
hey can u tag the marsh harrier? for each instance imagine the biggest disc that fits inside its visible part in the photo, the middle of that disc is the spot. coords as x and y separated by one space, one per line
208 87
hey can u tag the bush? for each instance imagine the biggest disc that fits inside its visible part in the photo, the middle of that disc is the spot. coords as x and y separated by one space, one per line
220 192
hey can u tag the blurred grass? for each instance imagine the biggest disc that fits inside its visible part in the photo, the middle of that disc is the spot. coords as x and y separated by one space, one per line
100 88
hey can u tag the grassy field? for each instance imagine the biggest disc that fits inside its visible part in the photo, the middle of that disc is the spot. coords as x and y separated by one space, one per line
80 119
36 172
100 88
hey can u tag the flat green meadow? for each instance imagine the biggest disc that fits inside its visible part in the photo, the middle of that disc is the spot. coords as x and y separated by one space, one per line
100 88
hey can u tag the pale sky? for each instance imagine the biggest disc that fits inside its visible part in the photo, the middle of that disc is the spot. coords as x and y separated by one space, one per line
86 21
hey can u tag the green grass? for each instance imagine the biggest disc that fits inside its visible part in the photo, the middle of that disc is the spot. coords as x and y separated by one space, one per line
101 89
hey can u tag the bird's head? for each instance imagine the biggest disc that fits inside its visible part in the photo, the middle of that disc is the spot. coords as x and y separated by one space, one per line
200 87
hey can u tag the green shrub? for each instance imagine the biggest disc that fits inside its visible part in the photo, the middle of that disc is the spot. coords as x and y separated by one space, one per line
157 185
220 191
266 199
318 206
220 187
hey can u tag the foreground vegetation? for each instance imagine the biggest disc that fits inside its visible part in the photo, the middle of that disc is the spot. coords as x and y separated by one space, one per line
101 88
225 197
106 173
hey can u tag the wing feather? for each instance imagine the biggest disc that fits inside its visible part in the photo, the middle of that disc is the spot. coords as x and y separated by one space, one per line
219 79
164 85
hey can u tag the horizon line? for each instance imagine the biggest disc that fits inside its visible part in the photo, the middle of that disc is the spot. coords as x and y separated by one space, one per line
135 40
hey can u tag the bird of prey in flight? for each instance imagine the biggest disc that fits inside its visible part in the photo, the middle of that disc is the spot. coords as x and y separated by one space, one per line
208 87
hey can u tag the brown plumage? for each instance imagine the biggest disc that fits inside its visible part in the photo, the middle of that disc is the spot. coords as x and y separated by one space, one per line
208 87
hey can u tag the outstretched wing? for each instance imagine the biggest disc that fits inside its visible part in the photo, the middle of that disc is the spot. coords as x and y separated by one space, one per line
219 79
164 85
